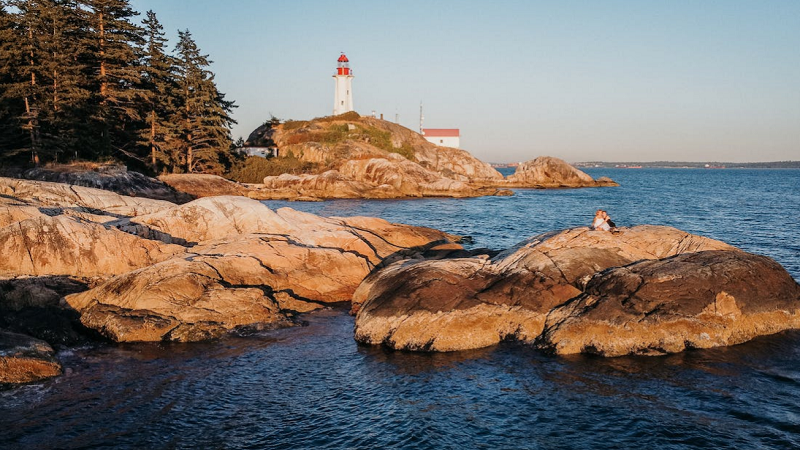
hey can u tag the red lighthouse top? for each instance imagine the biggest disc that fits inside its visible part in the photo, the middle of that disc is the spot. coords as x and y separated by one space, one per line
344 66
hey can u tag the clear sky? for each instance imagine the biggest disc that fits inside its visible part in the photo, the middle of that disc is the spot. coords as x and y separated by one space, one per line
635 80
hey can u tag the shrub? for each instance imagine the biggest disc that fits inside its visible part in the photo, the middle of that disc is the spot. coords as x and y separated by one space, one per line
253 169
294 124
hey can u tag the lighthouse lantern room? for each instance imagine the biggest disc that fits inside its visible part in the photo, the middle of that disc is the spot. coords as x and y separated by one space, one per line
343 79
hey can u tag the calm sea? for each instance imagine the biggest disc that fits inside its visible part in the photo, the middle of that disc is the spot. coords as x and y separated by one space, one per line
314 387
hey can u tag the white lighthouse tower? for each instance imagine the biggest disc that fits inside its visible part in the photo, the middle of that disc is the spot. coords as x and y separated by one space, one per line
343 98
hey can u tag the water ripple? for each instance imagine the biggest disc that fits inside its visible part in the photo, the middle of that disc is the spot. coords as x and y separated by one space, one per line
314 387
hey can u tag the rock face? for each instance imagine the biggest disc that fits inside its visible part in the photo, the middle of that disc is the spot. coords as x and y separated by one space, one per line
64 245
248 267
549 172
132 269
115 178
24 359
203 185
698 300
457 304
46 194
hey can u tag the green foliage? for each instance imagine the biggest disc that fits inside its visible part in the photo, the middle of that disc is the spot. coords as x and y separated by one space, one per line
79 79
253 169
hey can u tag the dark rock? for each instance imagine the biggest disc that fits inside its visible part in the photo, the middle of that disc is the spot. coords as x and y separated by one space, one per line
24 359
695 300
472 302
115 178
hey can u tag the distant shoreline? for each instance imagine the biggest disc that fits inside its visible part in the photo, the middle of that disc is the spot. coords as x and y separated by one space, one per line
678 165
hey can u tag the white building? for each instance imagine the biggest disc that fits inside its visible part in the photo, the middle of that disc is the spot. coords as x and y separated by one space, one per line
264 152
443 137
343 97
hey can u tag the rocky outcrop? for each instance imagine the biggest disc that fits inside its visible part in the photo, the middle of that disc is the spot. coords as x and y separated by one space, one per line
203 185
363 157
550 172
109 177
698 300
249 267
64 245
179 272
458 304
47 194
24 359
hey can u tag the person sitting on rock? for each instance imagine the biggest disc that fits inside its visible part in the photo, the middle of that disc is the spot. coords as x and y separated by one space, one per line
602 221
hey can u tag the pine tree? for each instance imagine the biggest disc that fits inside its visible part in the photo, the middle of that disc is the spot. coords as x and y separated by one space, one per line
116 75
160 86
12 137
204 113
45 80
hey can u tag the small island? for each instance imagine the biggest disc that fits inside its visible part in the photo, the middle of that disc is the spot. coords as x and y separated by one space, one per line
350 156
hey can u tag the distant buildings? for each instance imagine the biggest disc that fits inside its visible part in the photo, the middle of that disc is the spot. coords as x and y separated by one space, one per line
443 137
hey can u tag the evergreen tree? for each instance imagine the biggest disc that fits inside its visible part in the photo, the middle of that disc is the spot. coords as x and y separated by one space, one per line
12 137
45 80
116 50
161 88
203 111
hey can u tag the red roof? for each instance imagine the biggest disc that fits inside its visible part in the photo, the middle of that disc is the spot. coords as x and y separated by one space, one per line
441 132
343 58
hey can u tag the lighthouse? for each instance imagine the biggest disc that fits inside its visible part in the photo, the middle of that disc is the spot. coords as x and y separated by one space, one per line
343 79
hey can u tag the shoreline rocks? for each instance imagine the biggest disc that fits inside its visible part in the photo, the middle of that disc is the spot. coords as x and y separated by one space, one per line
698 300
24 359
545 291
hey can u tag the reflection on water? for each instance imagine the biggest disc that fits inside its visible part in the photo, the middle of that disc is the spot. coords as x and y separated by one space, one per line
314 387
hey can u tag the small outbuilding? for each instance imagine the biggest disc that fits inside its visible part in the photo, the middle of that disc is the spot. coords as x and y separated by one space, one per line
443 137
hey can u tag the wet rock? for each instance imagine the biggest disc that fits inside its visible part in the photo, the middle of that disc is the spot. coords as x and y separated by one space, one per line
458 304
24 359
697 300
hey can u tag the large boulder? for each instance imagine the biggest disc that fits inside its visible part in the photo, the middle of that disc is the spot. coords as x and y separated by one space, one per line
457 304
696 300
550 172
24 359
250 267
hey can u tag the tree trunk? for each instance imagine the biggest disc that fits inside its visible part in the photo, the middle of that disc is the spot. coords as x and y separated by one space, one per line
153 139
103 81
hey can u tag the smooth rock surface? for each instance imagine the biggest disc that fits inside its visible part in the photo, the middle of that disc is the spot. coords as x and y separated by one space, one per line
64 195
203 185
249 266
458 304
64 245
698 300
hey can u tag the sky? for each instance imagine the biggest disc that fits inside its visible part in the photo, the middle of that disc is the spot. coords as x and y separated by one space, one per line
637 80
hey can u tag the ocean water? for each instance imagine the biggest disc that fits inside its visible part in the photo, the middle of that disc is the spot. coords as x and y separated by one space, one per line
314 387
